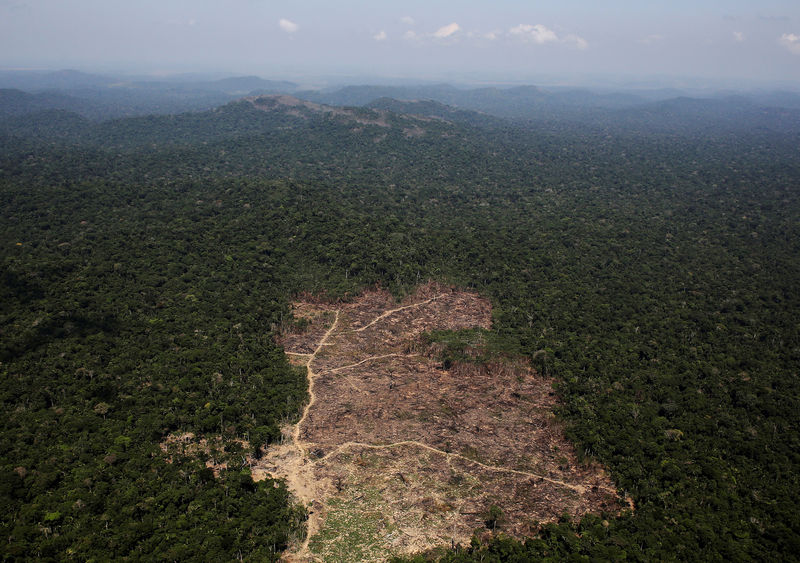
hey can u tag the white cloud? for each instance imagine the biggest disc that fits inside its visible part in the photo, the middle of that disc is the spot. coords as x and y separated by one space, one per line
408 20
380 36
410 35
738 36
537 33
446 31
578 42
491 36
791 42
288 26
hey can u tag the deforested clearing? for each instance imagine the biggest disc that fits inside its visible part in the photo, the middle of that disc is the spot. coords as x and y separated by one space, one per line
398 452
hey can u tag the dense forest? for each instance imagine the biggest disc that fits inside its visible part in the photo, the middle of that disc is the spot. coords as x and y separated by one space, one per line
648 263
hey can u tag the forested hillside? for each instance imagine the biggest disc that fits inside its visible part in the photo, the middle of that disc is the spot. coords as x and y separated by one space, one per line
147 263
663 111
96 97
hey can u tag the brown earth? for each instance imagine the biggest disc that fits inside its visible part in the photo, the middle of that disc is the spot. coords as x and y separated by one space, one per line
395 454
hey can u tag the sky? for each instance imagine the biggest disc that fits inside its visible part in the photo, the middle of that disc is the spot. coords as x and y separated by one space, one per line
742 42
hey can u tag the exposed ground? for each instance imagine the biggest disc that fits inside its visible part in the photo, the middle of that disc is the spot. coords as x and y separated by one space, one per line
395 454
303 108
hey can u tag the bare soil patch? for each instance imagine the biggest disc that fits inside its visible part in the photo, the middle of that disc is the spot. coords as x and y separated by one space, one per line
395 454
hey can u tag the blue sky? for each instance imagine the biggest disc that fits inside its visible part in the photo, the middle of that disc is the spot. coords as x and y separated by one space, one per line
736 40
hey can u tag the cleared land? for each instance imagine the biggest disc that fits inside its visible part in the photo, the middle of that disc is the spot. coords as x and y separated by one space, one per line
395 454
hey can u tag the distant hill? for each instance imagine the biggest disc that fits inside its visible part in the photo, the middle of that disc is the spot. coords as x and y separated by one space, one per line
57 117
248 84
32 81
277 117
432 108
103 97
16 102
362 95
730 114
665 110
521 102
58 80
777 98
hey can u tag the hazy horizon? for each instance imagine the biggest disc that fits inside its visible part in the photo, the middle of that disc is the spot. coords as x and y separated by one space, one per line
622 43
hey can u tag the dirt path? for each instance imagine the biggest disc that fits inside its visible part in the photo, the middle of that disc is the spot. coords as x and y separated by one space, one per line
298 474
579 488
311 376
393 311
373 359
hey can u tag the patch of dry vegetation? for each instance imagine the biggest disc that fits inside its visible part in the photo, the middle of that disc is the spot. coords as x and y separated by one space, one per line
414 452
